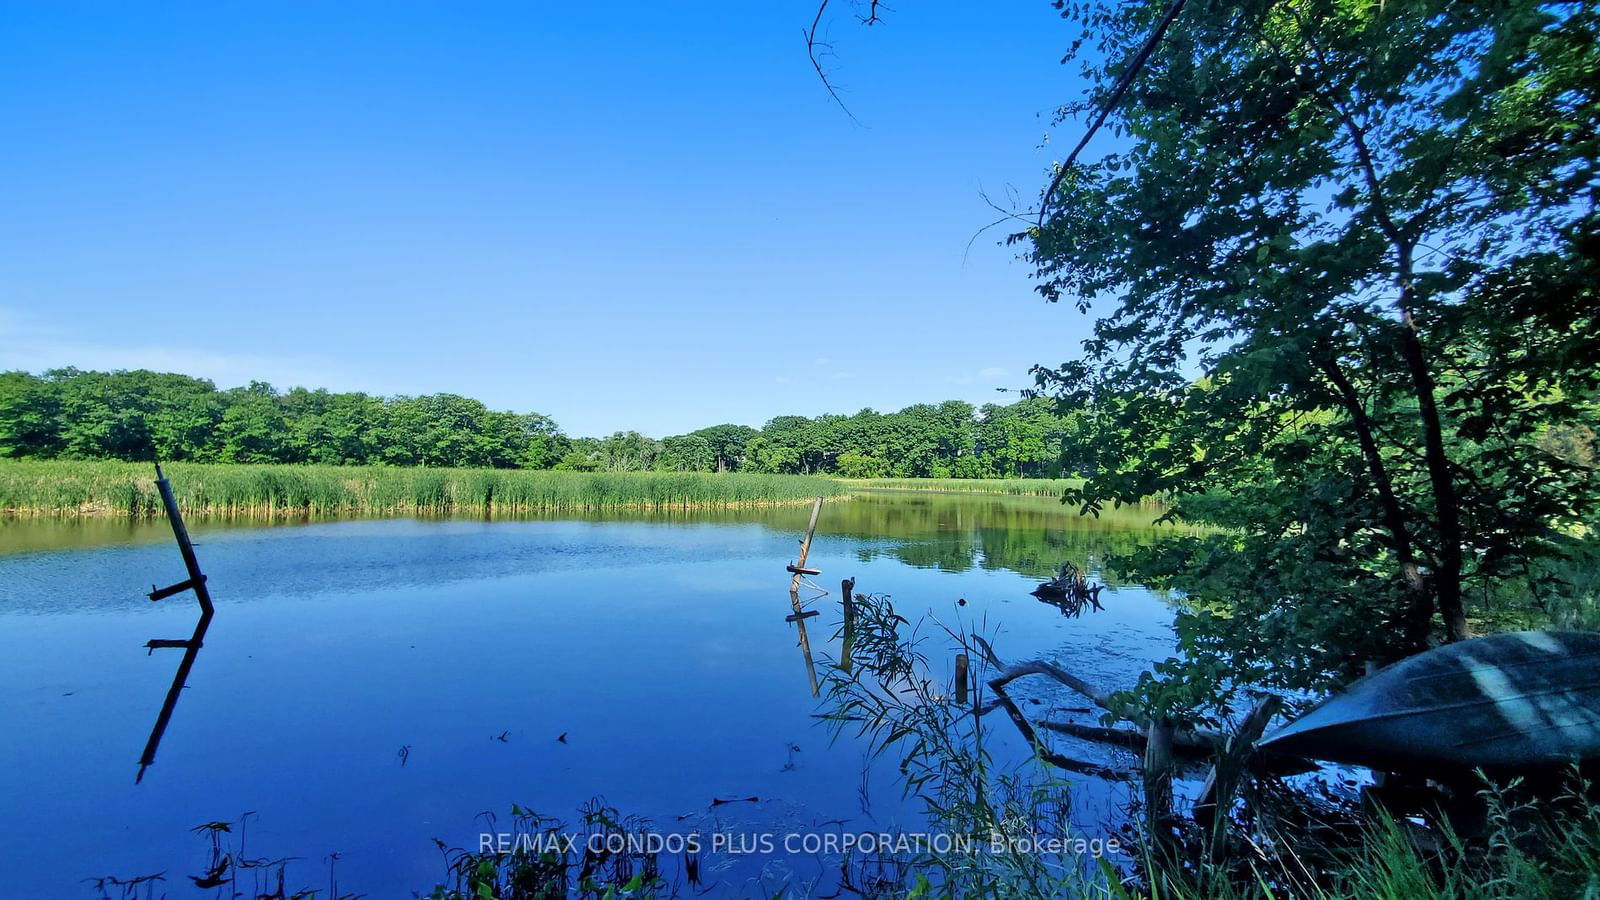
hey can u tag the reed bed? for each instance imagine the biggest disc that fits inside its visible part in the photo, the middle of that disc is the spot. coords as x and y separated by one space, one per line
1022 487
110 488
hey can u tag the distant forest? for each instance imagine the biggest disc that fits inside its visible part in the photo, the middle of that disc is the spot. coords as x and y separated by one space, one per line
143 415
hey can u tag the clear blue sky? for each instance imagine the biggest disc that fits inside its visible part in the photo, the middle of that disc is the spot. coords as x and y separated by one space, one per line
623 215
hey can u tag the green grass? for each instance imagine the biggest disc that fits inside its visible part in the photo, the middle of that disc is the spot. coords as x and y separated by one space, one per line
1030 487
63 487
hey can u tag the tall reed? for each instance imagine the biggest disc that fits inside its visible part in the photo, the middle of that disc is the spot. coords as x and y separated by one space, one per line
64 487
1030 487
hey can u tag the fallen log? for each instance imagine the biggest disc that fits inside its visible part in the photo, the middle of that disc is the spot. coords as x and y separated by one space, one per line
1003 700
1185 741
1009 674
1198 739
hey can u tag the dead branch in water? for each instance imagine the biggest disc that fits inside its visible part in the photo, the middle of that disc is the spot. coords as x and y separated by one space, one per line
1189 740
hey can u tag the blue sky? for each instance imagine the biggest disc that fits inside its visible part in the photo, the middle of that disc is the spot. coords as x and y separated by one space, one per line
623 215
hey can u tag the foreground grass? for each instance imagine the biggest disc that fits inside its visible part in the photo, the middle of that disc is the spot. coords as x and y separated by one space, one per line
1028 487
63 487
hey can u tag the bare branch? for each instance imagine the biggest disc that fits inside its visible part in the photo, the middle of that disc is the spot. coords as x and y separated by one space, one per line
1006 215
1117 90
814 46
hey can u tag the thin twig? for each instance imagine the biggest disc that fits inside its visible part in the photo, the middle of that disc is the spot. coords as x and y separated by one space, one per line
812 45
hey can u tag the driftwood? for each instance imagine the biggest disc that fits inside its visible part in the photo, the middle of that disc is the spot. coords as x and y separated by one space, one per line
1186 742
1164 748
1198 740
1070 592
1125 738
1003 701
1009 674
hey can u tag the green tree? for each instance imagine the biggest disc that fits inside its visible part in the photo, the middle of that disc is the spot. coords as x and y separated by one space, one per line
254 428
30 416
770 455
539 441
132 415
788 444
627 451
1372 226
861 465
1022 440
727 443
686 453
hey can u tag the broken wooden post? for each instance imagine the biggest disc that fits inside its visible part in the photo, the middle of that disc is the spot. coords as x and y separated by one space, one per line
961 679
191 647
799 616
197 579
799 566
847 644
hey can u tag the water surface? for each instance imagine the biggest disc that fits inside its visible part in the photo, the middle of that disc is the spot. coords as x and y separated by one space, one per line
656 644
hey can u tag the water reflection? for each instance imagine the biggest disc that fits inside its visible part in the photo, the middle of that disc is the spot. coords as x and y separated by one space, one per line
191 650
1071 592
799 620
799 617
1030 536
954 534
431 635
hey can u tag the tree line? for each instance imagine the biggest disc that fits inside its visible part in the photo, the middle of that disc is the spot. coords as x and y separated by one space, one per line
143 415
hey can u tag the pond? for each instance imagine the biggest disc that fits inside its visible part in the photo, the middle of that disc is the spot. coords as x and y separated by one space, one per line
369 686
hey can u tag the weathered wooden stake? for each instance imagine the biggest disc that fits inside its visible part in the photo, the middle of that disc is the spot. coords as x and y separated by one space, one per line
805 548
847 589
799 616
197 579
961 679
191 647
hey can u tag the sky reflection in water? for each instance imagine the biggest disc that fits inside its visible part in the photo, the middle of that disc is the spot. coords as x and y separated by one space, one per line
656 643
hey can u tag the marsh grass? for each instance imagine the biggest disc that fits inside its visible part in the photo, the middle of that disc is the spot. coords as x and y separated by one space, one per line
109 488
1526 850
1019 487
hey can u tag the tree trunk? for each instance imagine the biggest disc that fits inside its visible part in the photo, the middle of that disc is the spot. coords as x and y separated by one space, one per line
1447 574
1419 610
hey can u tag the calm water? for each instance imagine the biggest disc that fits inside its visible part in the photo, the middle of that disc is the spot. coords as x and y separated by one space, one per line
656 644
